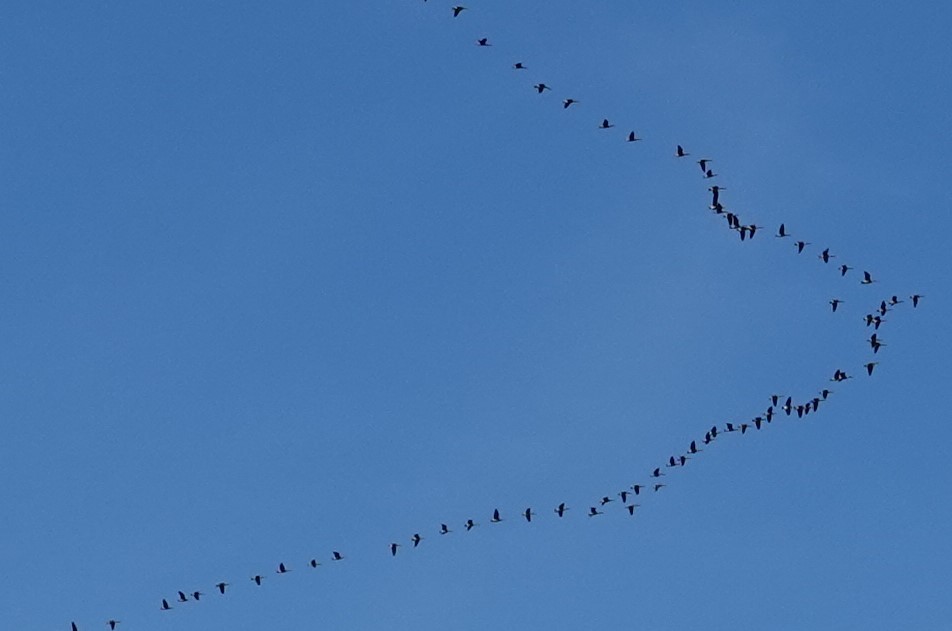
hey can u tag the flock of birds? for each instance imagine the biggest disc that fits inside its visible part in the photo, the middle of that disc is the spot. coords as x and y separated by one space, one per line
776 405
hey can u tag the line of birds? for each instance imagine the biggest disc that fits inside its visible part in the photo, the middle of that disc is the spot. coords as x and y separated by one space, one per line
778 404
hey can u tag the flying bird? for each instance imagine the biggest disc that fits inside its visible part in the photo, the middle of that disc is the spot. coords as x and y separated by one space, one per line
221 587
709 174
825 256
592 511
782 232
567 103
282 569
257 578
844 268
518 66
657 473
836 302
470 524
313 563
800 245
393 549
703 162
444 529
867 279
606 500
658 487
869 368
197 595
632 137
416 539
112 624
496 518
483 42
637 488
605 124
337 556
631 508
182 598
541 87
915 299
457 10
560 509
528 514
165 605
681 152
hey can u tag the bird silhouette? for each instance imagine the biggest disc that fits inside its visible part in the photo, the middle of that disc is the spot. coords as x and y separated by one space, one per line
182 598
518 66
568 103
709 174
835 303
681 152
800 245
560 509
457 10
593 511
496 518
444 529
657 473
631 508
165 605
469 525
221 587
844 268
825 256
314 563
782 232
528 514
637 488
915 299
483 42
257 578
73 626
337 556
282 569
867 279
605 124
632 137
111 623
658 487
416 539
703 163
197 595
541 87
869 368
393 549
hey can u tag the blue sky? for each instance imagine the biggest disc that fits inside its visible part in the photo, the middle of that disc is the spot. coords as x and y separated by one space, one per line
287 279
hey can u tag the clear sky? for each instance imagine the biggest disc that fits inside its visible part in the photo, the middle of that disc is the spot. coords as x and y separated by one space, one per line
286 278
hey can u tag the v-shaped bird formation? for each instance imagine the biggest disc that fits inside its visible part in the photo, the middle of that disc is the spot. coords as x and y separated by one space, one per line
649 483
